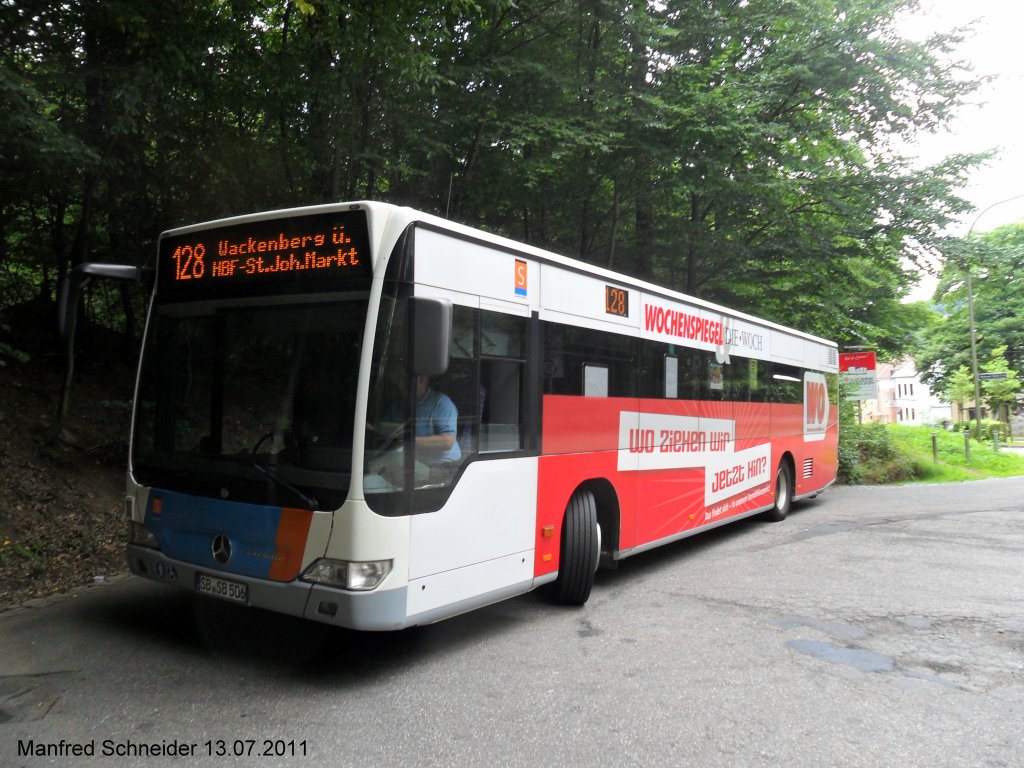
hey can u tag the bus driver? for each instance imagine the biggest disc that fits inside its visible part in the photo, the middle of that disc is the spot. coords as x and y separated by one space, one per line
437 450
436 426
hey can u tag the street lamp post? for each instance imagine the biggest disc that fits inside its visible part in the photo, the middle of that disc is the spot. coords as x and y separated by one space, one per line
970 317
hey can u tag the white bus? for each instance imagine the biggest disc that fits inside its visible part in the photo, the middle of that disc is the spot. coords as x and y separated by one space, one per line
375 418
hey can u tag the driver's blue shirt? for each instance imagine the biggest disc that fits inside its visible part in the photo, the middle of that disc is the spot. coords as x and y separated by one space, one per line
436 414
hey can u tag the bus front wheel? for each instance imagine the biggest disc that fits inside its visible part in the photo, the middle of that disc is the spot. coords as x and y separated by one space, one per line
580 551
783 493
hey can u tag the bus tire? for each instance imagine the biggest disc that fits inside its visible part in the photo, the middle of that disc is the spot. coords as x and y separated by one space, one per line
581 543
783 493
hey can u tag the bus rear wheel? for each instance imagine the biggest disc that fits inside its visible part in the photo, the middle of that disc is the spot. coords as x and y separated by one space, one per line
580 551
783 493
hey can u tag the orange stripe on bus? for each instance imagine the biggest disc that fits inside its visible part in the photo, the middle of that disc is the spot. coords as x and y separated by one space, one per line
292 533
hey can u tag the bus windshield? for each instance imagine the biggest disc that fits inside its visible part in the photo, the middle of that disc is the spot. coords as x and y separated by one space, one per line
250 403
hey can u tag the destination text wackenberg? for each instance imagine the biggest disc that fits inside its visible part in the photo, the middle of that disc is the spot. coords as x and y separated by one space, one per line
281 251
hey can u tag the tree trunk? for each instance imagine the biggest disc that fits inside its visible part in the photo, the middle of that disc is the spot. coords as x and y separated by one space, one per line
615 225
643 218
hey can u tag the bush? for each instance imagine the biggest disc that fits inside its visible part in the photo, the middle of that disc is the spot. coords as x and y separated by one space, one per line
868 455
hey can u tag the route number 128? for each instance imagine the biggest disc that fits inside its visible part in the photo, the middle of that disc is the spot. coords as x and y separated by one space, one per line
188 261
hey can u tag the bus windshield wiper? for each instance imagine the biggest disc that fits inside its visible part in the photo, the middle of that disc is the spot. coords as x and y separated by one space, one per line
309 500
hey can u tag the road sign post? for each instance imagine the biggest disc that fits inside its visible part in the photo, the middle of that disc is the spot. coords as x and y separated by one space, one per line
857 372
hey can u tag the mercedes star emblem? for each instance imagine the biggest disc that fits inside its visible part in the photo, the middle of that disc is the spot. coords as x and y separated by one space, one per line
221 548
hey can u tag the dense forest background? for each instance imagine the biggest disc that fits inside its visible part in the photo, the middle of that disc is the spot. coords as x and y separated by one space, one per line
750 152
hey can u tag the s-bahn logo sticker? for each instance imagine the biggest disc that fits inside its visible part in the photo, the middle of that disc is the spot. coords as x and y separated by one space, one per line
520 278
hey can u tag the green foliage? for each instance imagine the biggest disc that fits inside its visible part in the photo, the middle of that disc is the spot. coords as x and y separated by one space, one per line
877 453
915 442
999 392
960 385
7 351
740 151
867 454
870 457
988 428
849 450
996 260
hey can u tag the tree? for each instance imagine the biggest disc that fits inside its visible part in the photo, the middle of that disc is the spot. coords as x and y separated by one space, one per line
960 386
744 151
997 262
746 156
1000 393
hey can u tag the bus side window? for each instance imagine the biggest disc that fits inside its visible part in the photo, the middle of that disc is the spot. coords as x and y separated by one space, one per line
738 383
502 385
787 384
693 374
584 362
757 386
714 378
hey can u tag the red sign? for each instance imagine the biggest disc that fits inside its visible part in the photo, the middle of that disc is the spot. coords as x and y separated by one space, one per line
856 362
857 372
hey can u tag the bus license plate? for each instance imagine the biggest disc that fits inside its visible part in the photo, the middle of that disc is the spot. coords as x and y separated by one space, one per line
222 588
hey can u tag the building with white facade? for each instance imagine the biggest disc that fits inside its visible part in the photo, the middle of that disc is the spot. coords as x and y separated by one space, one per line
903 398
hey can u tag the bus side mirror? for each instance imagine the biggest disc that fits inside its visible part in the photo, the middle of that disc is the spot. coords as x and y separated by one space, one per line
430 334
71 287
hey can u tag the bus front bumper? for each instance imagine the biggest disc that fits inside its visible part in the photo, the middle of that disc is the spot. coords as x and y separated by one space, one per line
375 610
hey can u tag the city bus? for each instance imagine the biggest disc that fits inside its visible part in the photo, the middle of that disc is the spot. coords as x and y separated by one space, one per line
376 418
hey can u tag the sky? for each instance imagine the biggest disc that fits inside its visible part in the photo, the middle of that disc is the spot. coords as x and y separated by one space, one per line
994 116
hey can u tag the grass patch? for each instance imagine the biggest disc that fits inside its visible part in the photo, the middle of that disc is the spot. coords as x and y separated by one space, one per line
877 454
952 462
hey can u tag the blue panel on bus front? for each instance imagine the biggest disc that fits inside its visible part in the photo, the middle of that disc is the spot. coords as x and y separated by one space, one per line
227 536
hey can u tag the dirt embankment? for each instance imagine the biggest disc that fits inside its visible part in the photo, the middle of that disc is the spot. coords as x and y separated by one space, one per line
61 519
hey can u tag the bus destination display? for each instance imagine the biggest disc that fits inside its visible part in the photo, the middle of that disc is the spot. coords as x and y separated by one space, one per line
298 254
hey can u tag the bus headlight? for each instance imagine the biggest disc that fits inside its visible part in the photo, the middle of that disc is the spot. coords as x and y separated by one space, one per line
354 576
141 535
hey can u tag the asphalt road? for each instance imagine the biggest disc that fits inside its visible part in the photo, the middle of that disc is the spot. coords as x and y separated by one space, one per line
875 627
